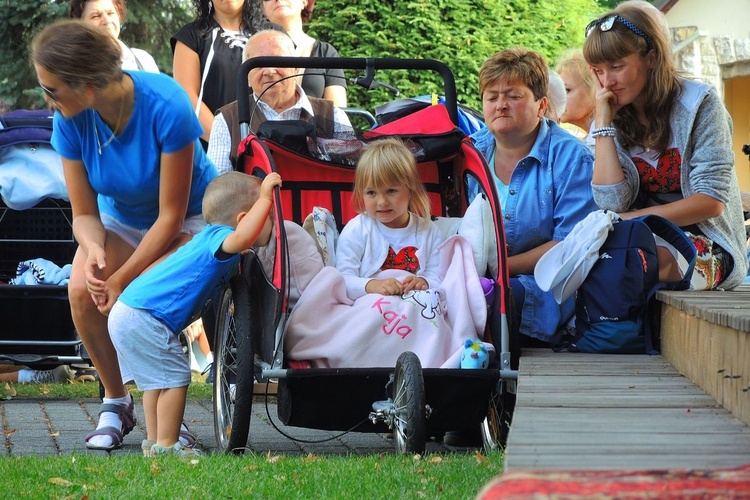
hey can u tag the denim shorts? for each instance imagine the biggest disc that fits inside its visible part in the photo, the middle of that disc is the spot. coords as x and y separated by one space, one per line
148 351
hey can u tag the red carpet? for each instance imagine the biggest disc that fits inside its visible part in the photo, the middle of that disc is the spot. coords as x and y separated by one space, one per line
669 484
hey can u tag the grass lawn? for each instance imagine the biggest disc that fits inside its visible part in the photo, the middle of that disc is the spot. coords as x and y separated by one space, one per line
459 476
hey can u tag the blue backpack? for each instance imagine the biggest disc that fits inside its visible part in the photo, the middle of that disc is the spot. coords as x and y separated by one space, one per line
614 301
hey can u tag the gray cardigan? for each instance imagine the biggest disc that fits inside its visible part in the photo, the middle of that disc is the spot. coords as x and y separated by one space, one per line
702 131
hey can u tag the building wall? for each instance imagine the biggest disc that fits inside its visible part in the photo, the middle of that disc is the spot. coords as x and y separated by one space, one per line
726 17
737 100
720 55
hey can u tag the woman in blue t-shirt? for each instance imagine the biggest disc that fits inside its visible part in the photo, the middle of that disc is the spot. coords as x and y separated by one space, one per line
135 174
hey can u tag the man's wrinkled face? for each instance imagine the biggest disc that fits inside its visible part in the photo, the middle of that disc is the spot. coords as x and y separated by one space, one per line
263 79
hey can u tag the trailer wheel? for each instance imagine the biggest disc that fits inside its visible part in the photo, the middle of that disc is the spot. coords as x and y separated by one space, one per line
496 425
409 425
233 368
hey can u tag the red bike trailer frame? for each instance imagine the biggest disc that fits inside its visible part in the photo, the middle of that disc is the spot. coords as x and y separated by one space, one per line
342 399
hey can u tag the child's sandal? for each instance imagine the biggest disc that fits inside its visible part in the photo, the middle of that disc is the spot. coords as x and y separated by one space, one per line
146 445
175 449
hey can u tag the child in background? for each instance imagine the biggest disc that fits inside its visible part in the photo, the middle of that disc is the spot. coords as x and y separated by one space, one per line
145 322
393 229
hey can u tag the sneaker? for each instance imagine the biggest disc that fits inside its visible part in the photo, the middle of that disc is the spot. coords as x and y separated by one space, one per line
198 361
60 375
175 449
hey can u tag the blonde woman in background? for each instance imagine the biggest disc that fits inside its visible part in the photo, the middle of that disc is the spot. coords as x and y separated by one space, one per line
579 86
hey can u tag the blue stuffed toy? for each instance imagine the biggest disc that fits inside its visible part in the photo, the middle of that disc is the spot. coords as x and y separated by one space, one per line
474 355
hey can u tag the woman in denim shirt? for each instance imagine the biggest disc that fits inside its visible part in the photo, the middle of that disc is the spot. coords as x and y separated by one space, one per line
542 176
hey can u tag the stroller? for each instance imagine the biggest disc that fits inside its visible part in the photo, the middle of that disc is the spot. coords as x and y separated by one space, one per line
35 225
411 402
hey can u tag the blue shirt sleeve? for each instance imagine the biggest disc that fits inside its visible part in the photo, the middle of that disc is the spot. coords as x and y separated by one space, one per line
176 124
65 137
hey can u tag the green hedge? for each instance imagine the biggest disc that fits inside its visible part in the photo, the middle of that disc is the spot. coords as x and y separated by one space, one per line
459 33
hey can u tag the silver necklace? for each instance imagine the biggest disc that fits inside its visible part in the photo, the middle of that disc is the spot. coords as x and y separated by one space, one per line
114 131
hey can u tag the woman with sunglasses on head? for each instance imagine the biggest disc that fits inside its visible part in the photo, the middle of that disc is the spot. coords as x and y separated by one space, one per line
321 83
109 15
136 175
663 144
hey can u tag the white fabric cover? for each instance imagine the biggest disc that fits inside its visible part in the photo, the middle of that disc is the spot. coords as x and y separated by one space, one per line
564 267
478 228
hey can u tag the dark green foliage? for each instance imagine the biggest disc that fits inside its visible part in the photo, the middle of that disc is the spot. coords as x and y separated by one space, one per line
149 26
609 4
19 20
460 33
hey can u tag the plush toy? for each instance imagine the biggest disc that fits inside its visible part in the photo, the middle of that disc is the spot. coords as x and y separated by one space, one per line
474 355
488 287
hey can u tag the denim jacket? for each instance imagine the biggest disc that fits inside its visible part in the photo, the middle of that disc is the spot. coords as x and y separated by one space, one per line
549 193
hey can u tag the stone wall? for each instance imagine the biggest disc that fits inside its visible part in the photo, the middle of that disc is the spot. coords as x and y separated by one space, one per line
712 58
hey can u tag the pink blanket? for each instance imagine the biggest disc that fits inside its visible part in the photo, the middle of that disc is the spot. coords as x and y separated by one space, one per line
332 331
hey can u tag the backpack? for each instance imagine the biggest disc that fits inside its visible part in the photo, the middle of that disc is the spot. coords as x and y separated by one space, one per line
30 169
615 303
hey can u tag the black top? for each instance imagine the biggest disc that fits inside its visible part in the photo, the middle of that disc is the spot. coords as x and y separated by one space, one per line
221 83
314 85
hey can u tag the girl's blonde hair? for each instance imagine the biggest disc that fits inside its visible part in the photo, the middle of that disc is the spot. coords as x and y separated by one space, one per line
662 85
388 162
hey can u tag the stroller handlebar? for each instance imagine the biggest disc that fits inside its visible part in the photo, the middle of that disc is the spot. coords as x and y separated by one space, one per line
367 81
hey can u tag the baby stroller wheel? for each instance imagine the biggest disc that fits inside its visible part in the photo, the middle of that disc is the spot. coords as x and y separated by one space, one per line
409 426
496 424
233 365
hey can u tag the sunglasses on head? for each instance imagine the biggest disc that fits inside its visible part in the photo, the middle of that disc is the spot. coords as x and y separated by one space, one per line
606 24
50 93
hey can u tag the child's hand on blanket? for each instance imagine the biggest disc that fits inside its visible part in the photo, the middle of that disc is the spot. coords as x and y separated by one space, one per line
415 283
392 286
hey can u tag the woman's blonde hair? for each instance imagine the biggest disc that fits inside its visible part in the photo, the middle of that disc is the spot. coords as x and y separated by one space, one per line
229 194
573 63
388 162
78 54
662 85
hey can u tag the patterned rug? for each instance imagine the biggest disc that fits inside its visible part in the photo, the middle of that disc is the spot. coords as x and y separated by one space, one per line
680 484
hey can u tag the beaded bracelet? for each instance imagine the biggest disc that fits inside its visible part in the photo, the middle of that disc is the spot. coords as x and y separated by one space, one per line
603 132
